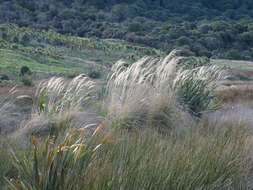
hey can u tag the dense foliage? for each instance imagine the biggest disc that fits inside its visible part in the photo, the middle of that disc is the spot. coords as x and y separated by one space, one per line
220 28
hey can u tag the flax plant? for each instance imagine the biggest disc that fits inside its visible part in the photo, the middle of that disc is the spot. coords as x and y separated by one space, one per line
59 165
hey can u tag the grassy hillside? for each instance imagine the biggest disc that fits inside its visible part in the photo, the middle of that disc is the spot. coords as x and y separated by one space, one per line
200 27
51 53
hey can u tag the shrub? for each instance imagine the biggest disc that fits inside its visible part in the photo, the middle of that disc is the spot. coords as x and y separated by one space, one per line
233 54
27 80
135 27
4 77
25 39
194 62
25 71
94 74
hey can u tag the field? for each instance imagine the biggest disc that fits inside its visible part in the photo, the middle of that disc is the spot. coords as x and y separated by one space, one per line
148 121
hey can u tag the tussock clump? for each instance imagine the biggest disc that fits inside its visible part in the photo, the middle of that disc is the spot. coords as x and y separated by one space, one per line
59 95
57 100
133 92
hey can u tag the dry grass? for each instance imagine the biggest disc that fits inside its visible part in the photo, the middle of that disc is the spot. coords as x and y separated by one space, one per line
134 92
55 104
238 93
154 88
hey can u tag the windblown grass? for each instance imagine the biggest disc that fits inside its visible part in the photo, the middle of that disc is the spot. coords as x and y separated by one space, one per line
148 95
59 95
141 159
133 92
147 160
55 102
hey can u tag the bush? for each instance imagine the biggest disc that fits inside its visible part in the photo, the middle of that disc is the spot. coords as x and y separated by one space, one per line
135 27
25 71
194 62
4 77
27 80
195 96
94 74
233 54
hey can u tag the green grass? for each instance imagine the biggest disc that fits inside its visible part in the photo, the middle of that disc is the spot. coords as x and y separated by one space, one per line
237 65
12 61
199 159
56 54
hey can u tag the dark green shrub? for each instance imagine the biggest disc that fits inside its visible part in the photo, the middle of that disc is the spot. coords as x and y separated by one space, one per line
4 36
135 27
233 54
94 74
15 39
183 40
25 39
194 62
4 77
25 71
195 89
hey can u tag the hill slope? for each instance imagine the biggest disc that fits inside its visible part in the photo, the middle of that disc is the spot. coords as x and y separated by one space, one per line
220 28
50 53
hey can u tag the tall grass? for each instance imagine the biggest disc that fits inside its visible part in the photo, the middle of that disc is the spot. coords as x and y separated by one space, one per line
58 165
147 160
59 95
146 95
133 92
55 104
140 159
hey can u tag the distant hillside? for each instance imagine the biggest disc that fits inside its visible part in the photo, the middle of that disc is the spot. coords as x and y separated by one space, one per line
51 53
220 28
